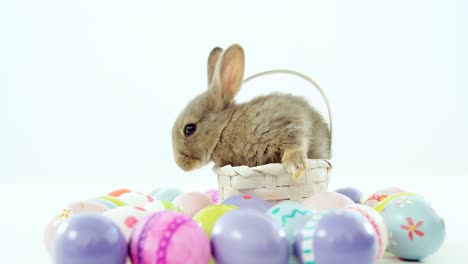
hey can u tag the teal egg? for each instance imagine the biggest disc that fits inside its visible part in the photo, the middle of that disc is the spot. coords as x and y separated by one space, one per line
291 216
415 230
168 194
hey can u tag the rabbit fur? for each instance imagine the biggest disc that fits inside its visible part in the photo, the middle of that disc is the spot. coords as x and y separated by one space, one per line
268 129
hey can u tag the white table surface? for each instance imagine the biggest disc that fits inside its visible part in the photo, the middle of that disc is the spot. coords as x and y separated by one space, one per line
27 206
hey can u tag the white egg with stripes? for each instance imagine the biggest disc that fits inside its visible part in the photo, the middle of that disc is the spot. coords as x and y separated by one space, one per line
304 240
291 216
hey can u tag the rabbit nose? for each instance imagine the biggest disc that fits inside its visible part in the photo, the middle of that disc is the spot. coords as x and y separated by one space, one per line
187 163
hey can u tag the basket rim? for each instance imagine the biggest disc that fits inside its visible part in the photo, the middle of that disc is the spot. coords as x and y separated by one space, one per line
326 162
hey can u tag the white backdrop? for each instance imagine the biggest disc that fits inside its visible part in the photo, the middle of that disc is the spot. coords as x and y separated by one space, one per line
89 91
91 88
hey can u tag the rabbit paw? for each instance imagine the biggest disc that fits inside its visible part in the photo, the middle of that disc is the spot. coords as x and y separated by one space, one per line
295 163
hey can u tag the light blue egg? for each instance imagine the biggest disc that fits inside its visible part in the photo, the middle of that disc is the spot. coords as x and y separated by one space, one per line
415 230
168 194
291 216
106 203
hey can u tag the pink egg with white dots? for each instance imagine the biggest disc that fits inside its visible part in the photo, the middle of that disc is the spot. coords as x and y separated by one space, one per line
136 198
192 202
169 237
126 217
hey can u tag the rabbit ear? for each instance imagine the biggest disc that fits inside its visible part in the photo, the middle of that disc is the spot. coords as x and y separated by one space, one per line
229 74
212 59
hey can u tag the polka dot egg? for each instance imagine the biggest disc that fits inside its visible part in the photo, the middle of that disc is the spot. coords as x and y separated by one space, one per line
136 198
125 217
169 237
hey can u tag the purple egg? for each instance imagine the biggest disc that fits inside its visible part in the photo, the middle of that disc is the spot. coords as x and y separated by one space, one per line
90 239
248 201
353 194
344 237
248 236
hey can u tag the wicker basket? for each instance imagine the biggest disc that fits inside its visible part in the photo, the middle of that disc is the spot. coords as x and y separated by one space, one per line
271 181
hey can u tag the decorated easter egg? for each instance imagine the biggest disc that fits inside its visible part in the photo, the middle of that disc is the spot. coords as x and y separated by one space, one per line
168 194
192 202
208 216
344 236
327 200
169 237
381 194
116 201
70 210
415 230
213 194
303 246
248 201
377 222
291 216
118 192
248 236
89 239
380 206
104 202
161 205
353 194
125 217
136 198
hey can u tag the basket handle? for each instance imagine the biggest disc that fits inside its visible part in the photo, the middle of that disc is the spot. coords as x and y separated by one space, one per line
311 81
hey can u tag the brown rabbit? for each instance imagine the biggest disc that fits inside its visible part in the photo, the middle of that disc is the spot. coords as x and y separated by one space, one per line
268 129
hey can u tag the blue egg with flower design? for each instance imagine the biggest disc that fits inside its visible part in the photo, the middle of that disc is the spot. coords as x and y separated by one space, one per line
415 229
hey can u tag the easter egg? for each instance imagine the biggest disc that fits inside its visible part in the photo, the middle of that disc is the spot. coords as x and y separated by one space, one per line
116 201
168 194
327 200
381 194
118 192
169 237
353 194
70 210
89 239
161 205
290 216
192 202
248 236
380 206
213 194
377 222
248 201
125 217
344 236
135 198
208 216
415 230
303 246
105 202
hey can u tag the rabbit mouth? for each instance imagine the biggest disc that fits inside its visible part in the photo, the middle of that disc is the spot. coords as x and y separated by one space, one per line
187 163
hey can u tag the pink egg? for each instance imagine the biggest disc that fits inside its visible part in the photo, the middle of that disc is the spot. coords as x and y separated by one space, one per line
213 194
327 200
192 202
380 195
71 210
169 237
135 198
377 223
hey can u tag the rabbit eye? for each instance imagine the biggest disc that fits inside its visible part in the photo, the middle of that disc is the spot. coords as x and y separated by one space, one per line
190 129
